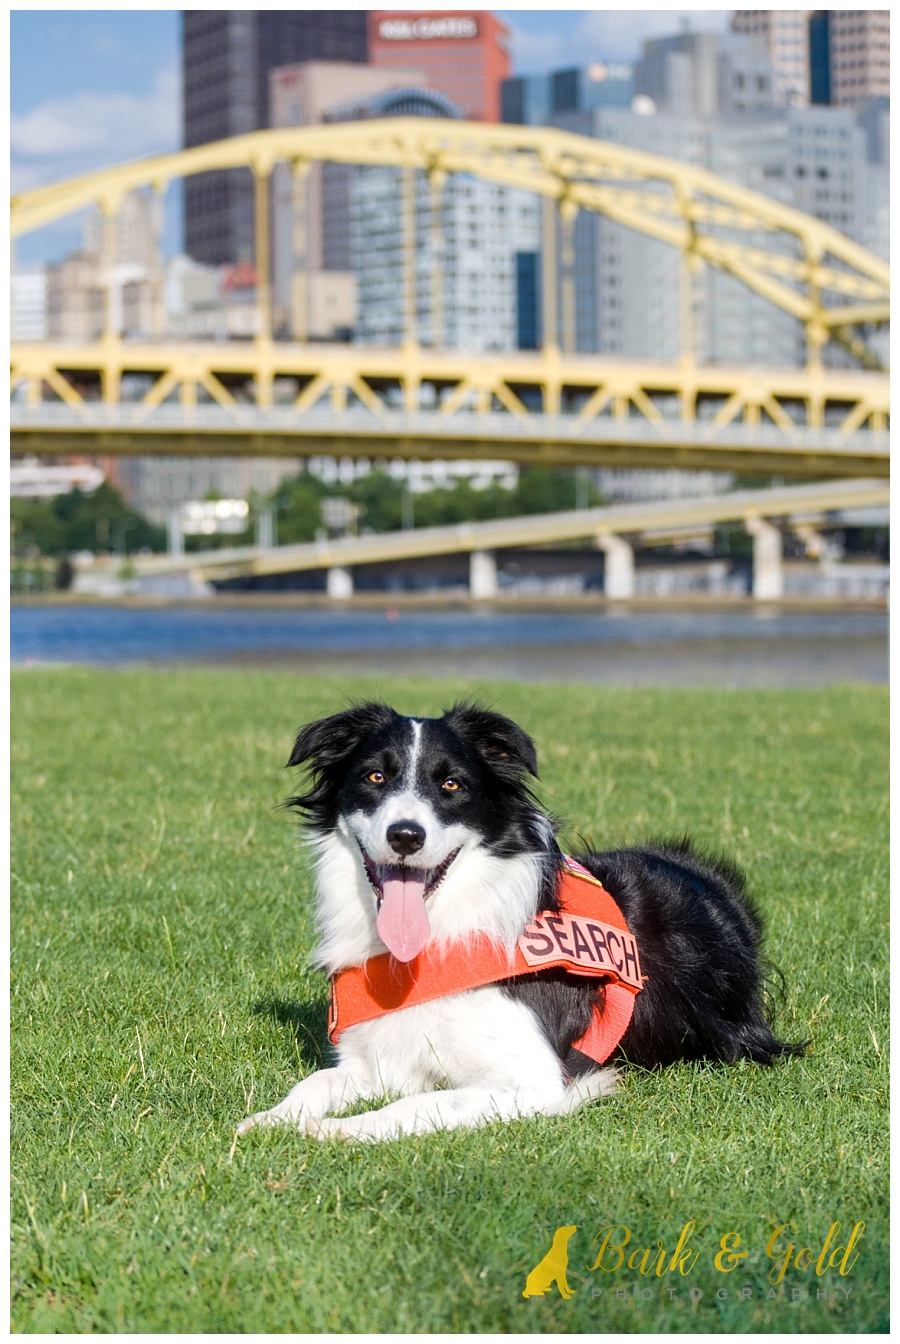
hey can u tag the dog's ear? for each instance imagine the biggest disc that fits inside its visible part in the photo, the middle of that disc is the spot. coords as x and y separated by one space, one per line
502 744
329 741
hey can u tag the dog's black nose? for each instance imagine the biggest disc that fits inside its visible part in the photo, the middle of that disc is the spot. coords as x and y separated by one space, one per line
405 837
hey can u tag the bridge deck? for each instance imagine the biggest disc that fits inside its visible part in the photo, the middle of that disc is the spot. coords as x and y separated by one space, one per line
560 440
799 503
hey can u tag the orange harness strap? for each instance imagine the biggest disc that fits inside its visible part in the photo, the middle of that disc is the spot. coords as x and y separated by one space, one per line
589 937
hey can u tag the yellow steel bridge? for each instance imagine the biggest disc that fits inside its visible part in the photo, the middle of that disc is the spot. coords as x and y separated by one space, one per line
292 398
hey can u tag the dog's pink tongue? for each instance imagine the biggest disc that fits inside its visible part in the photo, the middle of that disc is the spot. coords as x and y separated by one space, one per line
402 922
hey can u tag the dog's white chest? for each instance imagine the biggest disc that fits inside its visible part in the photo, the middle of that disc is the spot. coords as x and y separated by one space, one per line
462 1040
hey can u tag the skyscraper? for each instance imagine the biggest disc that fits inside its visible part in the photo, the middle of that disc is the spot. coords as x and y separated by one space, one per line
463 54
646 305
859 55
464 285
304 95
226 59
849 56
786 34
706 74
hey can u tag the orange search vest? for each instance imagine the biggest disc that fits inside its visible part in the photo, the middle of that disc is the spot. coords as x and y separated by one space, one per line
587 937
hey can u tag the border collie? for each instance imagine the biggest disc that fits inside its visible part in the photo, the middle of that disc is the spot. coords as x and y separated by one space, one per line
426 833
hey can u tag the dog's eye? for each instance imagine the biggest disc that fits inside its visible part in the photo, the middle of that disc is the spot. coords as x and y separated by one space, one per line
375 777
450 785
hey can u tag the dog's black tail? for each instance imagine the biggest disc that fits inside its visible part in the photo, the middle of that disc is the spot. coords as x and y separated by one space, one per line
755 1040
755 1037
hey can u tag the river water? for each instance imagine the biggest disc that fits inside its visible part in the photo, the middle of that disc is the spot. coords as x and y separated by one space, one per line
751 647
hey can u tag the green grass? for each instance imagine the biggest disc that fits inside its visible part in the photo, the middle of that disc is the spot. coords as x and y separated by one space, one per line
161 923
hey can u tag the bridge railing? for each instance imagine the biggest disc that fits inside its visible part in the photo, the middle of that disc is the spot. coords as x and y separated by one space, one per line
499 425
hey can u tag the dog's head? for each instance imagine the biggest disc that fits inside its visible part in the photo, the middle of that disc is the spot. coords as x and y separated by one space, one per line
416 799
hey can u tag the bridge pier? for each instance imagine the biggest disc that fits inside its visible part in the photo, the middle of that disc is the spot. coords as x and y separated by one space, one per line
176 536
618 568
339 582
265 528
768 574
483 574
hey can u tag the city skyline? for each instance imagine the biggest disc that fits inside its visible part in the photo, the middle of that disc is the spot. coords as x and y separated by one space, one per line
491 272
121 98
95 88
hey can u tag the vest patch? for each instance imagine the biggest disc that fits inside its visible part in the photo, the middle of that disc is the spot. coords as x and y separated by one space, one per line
586 946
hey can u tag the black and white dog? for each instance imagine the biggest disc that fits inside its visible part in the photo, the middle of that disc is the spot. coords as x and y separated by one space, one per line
426 834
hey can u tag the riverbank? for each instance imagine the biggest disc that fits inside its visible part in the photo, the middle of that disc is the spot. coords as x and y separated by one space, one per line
747 663
454 599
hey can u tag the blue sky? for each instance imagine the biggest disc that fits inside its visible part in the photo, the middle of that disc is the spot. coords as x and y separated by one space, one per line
93 87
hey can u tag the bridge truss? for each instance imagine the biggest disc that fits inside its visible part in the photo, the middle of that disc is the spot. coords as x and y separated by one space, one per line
255 395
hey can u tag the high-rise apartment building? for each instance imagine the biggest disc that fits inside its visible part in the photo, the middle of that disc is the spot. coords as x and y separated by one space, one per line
466 270
463 54
849 51
635 291
715 101
87 288
226 59
859 54
136 229
313 289
786 35
227 56
706 74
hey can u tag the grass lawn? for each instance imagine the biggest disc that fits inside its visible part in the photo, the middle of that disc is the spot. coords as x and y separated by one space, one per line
161 921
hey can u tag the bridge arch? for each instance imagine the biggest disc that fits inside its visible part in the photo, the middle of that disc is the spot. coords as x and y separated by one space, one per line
829 283
414 400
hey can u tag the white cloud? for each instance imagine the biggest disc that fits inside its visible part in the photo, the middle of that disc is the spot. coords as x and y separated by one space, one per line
533 52
66 136
611 34
620 33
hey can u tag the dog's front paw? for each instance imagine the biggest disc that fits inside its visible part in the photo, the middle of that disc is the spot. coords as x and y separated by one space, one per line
250 1122
279 1115
261 1120
329 1128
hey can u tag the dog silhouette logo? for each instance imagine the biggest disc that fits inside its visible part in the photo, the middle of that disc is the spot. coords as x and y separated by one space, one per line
552 1269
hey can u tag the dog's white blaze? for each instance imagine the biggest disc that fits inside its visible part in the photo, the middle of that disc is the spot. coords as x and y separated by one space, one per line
406 804
414 754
